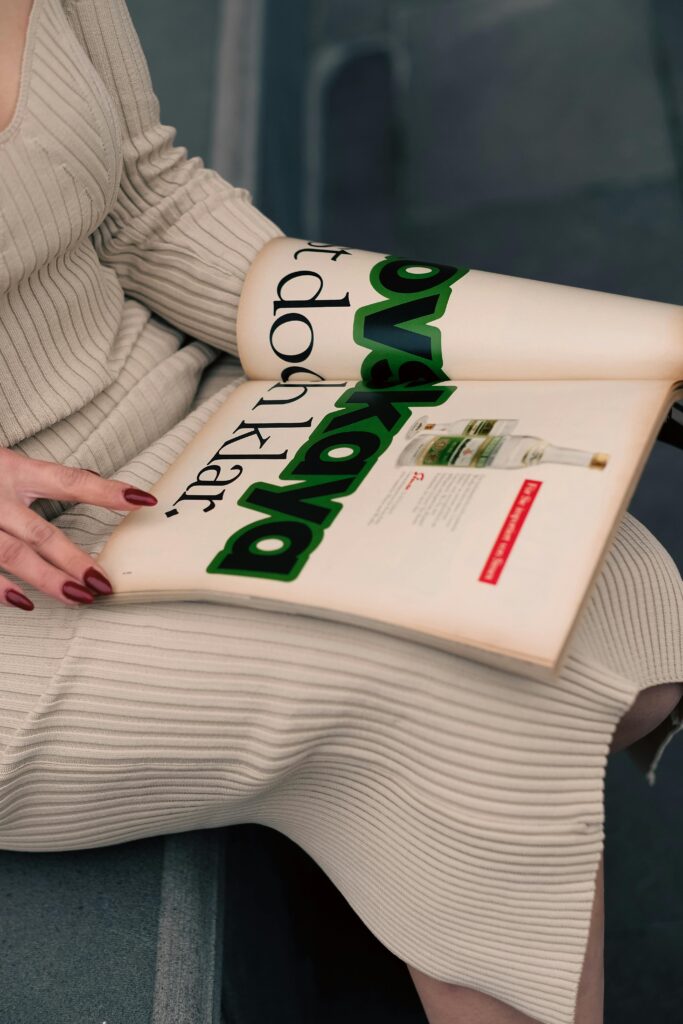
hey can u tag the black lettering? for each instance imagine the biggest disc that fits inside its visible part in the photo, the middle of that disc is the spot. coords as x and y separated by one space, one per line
282 401
253 430
379 373
303 389
297 357
289 371
404 285
313 301
382 326
217 480
314 464
297 501
324 248
243 555
380 404
211 498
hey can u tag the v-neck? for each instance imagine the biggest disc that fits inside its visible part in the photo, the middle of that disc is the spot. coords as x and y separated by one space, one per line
24 75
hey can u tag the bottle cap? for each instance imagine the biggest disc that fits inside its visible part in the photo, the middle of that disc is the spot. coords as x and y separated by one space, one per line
599 460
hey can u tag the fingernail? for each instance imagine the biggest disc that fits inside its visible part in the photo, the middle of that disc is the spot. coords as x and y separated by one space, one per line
138 497
93 471
75 592
19 600
97 582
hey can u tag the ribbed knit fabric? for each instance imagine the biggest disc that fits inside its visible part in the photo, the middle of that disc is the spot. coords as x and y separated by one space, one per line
459 809
95 199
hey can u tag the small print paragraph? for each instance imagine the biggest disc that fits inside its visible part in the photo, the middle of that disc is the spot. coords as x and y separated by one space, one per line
444 499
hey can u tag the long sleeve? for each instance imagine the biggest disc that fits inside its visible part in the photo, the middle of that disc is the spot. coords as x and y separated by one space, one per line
179 236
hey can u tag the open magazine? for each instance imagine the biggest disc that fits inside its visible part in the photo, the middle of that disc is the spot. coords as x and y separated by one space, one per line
437 453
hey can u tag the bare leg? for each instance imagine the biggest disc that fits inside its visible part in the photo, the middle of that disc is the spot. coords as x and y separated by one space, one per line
452 1004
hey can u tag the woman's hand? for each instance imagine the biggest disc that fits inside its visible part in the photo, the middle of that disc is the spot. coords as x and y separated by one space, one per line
40 553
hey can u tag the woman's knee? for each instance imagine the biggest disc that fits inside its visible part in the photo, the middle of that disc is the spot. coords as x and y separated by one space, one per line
651 707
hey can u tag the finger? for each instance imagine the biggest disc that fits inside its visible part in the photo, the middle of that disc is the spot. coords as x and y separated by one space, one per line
53 545
38 478
13 597
22 561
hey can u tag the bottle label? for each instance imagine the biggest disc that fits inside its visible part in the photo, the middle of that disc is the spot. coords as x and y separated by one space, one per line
461 451
469 428
476 427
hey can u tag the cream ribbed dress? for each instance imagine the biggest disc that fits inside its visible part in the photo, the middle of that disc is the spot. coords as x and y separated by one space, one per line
460 810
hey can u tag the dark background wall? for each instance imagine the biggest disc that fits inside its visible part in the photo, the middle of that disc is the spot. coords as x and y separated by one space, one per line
180 42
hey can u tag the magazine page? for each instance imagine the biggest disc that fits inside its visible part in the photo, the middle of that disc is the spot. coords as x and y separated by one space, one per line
470 516
311 311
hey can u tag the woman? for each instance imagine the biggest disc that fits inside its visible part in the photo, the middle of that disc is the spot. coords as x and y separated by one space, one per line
459 810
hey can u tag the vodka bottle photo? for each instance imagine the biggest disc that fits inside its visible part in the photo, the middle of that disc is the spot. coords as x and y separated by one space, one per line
462 428
494 451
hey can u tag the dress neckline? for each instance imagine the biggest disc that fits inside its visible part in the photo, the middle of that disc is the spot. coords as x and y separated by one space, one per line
26 61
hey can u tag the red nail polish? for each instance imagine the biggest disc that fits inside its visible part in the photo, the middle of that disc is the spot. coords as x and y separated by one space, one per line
97 582
137 497
75 592
19 600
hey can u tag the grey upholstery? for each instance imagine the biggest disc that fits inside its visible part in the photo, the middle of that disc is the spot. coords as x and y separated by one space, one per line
124 933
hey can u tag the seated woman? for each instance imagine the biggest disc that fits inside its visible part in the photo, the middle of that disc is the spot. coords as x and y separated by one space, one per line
459 811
